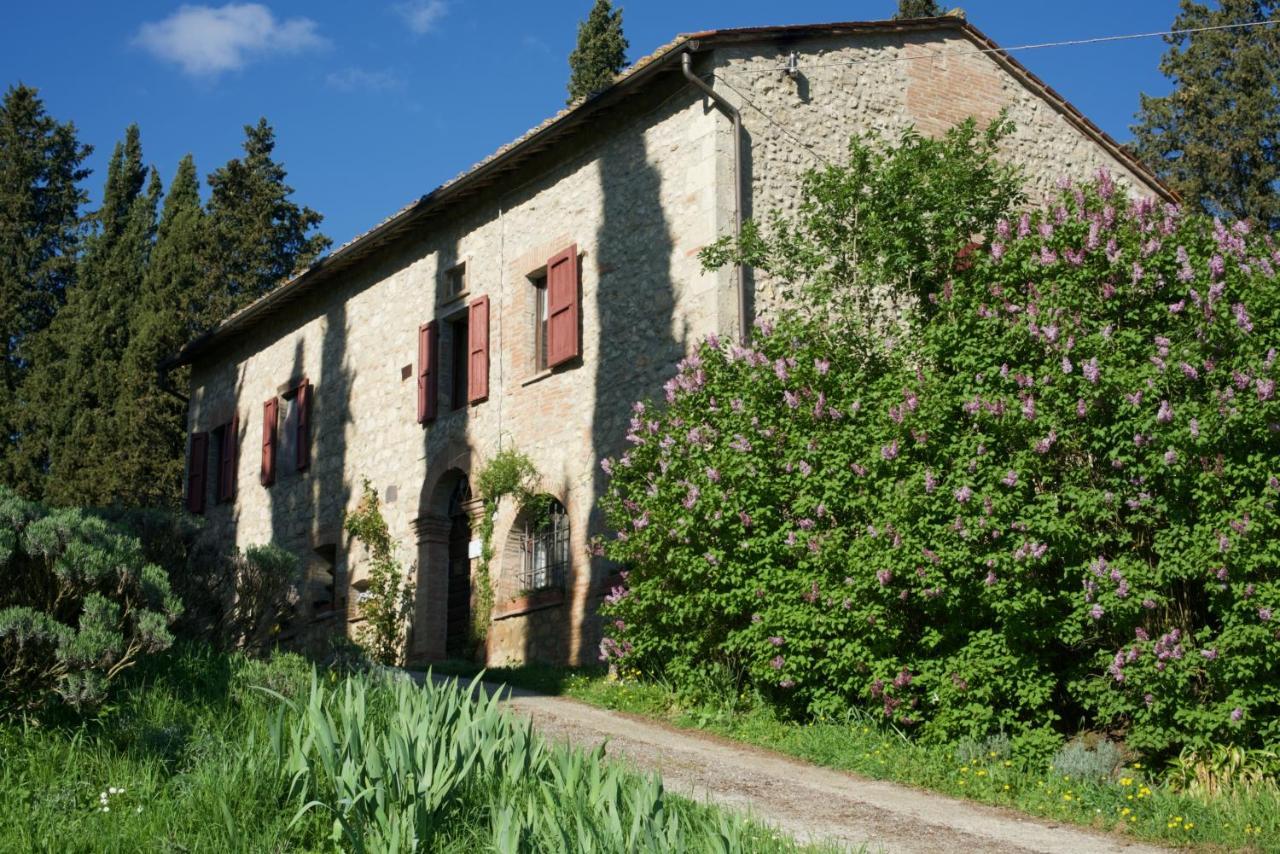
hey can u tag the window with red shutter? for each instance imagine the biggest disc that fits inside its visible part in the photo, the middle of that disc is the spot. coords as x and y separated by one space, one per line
226 439
428 371
563 343
197 459
270 420
478 363
302 441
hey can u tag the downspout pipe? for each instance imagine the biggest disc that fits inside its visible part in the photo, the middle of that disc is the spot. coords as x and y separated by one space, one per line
165 384
686 65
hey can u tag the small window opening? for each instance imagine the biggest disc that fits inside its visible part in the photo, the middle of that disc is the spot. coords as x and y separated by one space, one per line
545 548
539 281
455 281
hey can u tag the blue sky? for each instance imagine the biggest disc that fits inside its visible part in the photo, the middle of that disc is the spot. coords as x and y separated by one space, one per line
375 103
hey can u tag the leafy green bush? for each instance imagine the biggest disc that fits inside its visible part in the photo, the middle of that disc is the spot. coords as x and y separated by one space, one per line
79 604
237 599
1053 503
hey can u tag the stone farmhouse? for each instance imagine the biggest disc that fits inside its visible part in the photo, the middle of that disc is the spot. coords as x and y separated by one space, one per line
528 302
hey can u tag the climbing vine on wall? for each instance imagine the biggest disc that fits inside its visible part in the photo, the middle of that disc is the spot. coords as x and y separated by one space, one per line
509 474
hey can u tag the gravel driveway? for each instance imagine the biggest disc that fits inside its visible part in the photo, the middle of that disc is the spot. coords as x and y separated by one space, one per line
806 801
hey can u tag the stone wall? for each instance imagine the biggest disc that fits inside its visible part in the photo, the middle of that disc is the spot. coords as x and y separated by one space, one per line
885 83
639 198
638 201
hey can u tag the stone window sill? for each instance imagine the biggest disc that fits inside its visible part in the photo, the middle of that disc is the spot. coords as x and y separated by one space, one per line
538 377
528 603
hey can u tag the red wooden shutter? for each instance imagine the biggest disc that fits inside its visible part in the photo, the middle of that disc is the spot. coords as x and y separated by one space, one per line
270 419
478 341
198 457
303 443
562 308
428 374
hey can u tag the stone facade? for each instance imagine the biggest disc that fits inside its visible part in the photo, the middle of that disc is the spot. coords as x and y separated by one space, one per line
638 193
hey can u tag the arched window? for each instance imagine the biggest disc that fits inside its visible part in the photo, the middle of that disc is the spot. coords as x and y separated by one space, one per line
545 547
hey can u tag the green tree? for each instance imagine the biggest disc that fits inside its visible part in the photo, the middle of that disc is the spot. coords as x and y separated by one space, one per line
1216 137
69 400
259 237
40 233
918 9
601 52
171 309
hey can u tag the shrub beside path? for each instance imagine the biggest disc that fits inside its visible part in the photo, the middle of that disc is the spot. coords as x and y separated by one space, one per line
811 803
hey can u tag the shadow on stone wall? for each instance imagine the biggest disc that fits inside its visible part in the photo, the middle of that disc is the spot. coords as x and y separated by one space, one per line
447 515
638 348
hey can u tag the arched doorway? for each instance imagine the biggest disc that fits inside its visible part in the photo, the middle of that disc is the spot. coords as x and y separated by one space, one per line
457 640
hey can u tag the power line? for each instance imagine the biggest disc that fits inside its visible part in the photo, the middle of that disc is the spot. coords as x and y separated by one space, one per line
1039 45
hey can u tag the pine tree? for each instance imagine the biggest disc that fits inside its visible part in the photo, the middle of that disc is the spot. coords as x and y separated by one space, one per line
601 52
148 421
40 234
69 399
1216 137
917 9
258 236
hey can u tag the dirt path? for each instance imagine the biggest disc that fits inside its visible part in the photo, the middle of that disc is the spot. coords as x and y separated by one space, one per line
806 801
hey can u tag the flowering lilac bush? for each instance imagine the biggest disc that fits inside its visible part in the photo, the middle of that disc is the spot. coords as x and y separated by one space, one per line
1053 506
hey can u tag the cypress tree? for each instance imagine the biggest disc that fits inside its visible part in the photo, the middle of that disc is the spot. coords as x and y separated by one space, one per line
40 234
258 235
1216 137
601 52
917 9
71 394
149 422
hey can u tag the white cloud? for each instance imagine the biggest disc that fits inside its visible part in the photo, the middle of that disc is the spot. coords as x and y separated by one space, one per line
362 79
422 15
207 40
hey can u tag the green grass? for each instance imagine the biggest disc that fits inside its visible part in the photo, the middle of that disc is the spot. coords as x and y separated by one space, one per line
193 756
1135 803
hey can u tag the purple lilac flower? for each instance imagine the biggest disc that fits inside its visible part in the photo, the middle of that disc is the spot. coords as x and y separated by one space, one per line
777 662
1043 446
1242 317
1170 457
1066 365
1165 413
1081 409
1010 478
606 465
1266 388
890 451
963 494
1217 266
713 475
821 366
791 400
1149 604
1237 713
1029 408
1264 614
1096 612
804 468
884 576
930 482
1209 654
776 640
691 498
